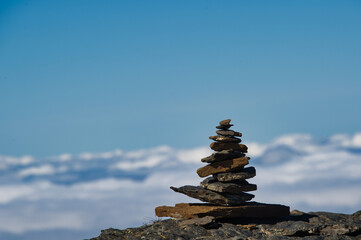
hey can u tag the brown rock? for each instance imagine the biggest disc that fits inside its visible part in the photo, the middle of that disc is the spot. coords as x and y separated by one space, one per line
225 122
218 146
228 187
223 166
225 139
247 210
229 133
213 197
222 155
245 173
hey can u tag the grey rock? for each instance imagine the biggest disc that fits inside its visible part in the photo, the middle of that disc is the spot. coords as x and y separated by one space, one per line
314 225
225 139
224 127
228 187
213 197
245 173
220 146
229 133
222 155
209 180
204 221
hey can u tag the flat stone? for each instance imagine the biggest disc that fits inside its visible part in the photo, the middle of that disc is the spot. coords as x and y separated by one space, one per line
229 133
210 180
224 127
225 139
218 146
247 210
223 166
228 187
213 197
246 173
222 155
225 122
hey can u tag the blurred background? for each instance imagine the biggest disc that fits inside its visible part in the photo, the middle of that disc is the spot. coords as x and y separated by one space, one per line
105 104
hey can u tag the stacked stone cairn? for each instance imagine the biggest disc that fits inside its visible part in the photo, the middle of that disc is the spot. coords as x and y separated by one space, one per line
225 190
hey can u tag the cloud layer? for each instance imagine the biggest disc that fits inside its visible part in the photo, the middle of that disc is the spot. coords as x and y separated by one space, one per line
88 192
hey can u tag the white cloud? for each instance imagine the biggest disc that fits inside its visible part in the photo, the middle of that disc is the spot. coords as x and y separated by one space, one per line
347 140
6 161
103 155
297 170
41 170
193 155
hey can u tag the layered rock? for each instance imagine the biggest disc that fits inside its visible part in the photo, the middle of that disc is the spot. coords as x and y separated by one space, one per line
250 210
226 190
223 199
298 225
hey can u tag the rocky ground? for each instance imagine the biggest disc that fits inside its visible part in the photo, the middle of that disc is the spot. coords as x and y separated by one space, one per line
299 225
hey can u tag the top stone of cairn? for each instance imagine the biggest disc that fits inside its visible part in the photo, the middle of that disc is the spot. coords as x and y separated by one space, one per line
225 124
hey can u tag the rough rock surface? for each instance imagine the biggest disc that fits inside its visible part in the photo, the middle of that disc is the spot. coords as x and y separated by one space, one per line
229 133
223 166
299 225
218 146
200 210
246 173
225 139
222 155
205 195
229 187
225 122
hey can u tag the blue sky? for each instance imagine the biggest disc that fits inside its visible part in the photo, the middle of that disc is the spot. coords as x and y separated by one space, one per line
102 102
99 75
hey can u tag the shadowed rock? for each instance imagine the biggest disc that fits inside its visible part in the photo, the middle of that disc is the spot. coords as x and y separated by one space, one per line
251 210
218 146
223 166
228 187
246 173
213 197
225 124
297 225
222 155
229 133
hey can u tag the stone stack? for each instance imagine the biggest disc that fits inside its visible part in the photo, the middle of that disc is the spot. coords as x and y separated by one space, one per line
225 192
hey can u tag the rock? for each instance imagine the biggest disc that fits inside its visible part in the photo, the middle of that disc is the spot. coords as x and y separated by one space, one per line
223 166
225 139
225 122
222 155
204 221
246 173
247 210
209 180
228 187
224 127
213 197
218 146
229 133
316 225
